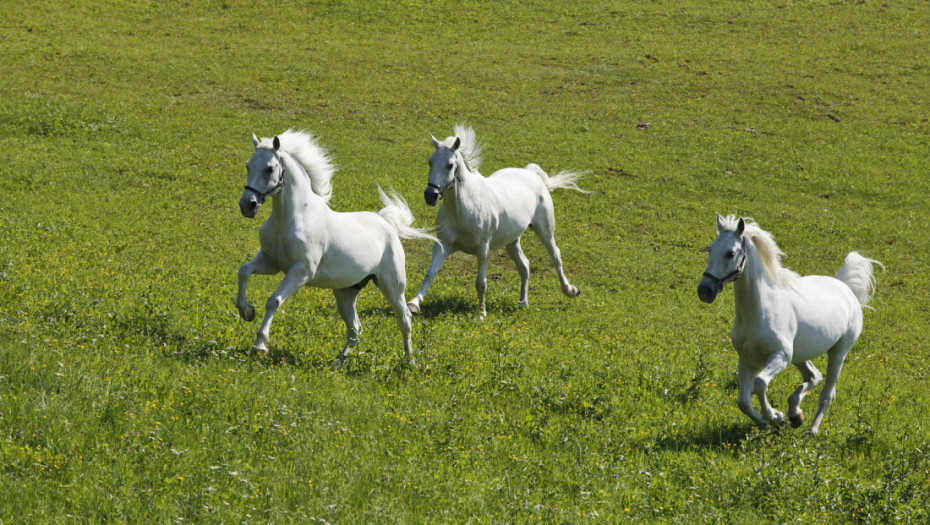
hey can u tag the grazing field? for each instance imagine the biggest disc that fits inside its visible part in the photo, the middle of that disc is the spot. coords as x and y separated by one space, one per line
127 393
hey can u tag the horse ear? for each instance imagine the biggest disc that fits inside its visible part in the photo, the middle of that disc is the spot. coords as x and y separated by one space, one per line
721 224
276 143
740 226
254 140
435 142
456 144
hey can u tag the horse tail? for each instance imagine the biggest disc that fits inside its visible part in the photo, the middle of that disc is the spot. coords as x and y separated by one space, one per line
562 179
398 215
856 273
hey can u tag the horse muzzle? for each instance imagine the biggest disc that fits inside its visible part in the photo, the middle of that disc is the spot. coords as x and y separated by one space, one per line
431 195
248 205
708 290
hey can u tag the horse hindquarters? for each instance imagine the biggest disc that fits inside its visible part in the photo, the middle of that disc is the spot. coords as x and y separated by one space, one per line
392 281
836 357
543 226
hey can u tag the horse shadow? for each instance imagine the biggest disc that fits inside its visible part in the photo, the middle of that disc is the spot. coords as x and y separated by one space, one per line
448 306
727 437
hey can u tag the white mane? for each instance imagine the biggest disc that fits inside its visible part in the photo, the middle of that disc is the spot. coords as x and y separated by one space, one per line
469 148
303 148
768 250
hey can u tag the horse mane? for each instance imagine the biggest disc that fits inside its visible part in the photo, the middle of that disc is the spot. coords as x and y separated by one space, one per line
769 252
469 146
302 146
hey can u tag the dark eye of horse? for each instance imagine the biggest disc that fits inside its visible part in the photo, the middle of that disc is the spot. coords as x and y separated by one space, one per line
731 254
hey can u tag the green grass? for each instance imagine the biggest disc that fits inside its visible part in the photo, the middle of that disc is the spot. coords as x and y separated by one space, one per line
126 390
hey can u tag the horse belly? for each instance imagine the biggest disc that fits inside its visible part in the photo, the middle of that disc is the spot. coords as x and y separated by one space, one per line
352 255
520 192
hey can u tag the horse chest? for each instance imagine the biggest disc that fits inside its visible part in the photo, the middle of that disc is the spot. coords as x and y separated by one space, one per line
284 247
755 342
463 231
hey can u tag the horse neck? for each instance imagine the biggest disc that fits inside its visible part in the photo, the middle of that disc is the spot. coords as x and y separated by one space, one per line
753 285
297 196
469 184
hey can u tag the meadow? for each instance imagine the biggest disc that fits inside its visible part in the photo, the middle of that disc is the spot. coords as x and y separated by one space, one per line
127 393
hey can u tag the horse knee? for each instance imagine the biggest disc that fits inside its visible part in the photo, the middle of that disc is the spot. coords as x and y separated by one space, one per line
481 286
273 303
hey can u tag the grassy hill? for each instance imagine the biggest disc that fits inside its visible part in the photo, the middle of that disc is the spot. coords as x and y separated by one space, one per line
126 389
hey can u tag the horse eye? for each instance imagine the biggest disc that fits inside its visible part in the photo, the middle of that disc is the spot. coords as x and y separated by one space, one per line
731 254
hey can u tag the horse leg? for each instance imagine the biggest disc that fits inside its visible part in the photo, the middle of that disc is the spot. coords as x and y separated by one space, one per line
745 377
440 252
481 282
295 278
393 290
778 362
545 229
811 376
523 267
262 265
836 356
345 304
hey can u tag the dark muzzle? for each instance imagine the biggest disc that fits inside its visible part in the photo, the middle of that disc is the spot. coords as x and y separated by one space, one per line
432 194
708 289
249 204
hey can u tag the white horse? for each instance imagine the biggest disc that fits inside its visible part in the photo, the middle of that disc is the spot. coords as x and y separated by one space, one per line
783 318
316 246
480 214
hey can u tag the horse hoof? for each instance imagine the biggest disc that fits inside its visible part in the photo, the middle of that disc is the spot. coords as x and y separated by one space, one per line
797 420
574 291
259 350
413 307
247 313
778 419
523 304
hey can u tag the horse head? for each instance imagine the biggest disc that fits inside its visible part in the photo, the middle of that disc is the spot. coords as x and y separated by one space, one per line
442 167
265 177
726 259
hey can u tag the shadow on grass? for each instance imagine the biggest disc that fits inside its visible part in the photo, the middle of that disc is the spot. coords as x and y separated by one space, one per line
467 308
442 306
724 438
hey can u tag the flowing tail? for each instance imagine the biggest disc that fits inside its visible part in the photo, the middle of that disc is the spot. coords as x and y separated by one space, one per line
856 273
398 215
562 179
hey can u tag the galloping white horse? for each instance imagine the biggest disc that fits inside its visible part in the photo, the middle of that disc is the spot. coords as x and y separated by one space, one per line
480 214
783 318
316 246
